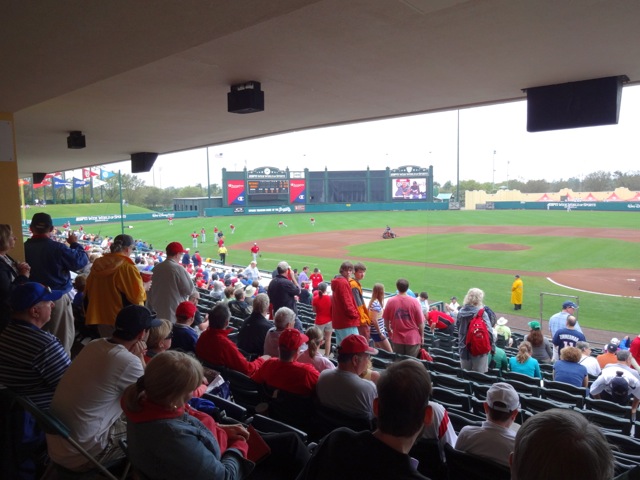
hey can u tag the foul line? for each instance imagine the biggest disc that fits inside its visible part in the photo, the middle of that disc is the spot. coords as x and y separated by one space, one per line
589 291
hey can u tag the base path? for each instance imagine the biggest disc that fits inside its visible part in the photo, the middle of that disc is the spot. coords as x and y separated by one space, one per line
601 281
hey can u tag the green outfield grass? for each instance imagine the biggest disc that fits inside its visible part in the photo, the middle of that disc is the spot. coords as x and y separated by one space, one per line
546 254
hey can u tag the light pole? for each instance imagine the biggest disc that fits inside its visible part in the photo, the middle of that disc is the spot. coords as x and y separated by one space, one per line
493 173
458 161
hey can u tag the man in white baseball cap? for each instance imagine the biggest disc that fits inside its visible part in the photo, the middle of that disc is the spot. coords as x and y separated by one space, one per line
494 439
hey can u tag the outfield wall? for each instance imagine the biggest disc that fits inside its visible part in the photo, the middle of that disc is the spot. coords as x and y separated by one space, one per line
588 206
131 217
325 208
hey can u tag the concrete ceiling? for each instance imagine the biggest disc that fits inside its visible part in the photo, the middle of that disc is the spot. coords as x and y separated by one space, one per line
153 75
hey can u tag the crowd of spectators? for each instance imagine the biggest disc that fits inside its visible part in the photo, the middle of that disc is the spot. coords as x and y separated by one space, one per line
161 314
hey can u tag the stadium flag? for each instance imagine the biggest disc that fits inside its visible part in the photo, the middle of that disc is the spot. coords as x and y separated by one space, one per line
104 174
94 171
51 175
44 183
59 183
98 183
86 173
77 183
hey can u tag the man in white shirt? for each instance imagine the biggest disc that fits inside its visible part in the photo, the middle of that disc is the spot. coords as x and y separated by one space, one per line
494 439
618 382
591 363
251 272
171 284
87 399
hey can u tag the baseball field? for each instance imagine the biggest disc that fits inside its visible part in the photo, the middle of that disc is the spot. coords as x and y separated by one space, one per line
593 256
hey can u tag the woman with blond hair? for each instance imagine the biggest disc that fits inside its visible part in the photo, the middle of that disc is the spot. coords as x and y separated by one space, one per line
524 363
159 420
569 370
378 332
12 273
159 339
168 439
311 355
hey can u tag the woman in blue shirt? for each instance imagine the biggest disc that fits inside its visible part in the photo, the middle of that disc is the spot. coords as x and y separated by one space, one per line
569 370
524 363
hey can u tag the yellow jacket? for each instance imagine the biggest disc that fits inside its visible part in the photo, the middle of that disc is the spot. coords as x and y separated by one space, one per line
356 288
114 283
517 292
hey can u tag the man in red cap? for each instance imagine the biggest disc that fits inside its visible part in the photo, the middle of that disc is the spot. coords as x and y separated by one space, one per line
171 284
286 373
342 388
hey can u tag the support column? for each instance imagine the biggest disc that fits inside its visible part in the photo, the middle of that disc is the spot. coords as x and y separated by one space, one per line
11 210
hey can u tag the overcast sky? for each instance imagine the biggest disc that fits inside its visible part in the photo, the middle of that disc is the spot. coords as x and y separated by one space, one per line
494 146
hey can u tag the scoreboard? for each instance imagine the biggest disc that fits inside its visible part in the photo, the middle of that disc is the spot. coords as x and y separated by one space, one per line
263 187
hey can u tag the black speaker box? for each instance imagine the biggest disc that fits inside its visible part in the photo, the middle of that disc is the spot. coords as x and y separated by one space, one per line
587 103
245 100
142 161
38 177
76 140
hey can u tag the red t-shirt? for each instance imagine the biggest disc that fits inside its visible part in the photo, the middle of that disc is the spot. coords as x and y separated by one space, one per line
322 307
441 319
316 279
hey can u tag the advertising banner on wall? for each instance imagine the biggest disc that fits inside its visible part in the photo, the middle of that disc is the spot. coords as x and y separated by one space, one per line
236 192
297 191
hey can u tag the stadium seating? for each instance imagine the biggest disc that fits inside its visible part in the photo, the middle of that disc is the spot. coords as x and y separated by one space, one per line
478 377
567 387
608 421
537 405
452 383
431 465
463 465
562 396
522 378
450 398
269 425
523 388
607 407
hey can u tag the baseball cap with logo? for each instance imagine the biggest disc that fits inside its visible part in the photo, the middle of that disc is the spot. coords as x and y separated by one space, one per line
291 339
174 248
355 343
619 388
569 305
132 320
503 397
29 294
534 325
41 221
